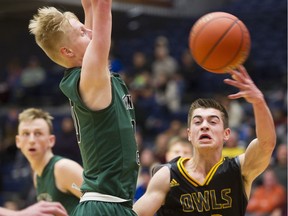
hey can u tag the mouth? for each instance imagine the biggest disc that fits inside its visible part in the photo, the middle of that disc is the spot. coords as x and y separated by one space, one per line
205 137
32 149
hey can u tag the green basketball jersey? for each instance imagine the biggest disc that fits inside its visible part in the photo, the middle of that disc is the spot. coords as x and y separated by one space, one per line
47 190
106 139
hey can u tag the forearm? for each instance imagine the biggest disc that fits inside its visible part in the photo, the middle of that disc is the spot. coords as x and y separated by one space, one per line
265 129
102 28
87 7
7 212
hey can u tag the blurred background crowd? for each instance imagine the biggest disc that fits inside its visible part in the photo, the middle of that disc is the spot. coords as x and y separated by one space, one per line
151 52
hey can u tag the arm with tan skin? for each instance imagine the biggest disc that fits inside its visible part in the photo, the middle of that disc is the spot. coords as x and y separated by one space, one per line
87 7
41 208
155 194
258 153
95 84
68 172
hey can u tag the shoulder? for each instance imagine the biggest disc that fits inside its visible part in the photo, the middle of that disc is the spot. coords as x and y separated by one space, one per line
71 75
64 164
66 167
168 165
67 172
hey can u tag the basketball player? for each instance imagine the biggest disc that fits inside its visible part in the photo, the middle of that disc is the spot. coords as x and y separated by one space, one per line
54 175
101 105
208 184
42 208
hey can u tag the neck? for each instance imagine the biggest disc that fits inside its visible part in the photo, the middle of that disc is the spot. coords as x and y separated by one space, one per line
39 165
203 161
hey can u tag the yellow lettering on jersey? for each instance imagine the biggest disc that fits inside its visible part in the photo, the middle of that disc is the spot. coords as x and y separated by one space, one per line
206 201
225 196
186 202
201 201
214 203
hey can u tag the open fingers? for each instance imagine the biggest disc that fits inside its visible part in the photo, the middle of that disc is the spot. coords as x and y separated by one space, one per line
55 208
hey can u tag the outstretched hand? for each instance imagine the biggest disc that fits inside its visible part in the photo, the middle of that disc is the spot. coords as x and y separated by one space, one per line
247 88
44 208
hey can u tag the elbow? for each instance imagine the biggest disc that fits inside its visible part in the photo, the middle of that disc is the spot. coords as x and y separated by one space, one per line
269 144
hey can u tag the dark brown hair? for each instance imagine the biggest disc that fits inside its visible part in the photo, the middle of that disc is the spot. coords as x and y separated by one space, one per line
208 103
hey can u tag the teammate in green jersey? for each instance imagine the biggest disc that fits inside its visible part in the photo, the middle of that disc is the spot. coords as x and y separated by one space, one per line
53 175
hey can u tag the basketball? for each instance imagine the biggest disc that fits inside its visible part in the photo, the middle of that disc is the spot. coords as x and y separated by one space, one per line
219 42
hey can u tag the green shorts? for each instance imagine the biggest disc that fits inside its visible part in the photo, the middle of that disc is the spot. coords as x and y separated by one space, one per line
97 208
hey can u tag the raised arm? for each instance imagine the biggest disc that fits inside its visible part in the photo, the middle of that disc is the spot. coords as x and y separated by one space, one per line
87 7
258 153
95 84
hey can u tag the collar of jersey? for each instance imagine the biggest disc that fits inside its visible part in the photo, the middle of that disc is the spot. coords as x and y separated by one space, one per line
185 174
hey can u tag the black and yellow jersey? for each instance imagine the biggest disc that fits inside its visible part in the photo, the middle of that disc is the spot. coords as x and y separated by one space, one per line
221 194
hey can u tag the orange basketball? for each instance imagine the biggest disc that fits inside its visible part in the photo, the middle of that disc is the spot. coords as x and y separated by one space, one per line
219 42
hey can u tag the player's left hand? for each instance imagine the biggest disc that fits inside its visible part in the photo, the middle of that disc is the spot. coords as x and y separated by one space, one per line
247 88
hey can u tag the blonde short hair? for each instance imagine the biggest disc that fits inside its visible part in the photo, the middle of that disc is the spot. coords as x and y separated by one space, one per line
50 26
33 113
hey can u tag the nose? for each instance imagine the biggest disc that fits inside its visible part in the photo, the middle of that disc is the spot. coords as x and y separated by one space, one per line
31 138
204 126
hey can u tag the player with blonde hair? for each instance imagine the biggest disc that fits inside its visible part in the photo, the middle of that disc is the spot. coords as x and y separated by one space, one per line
53 174
101 105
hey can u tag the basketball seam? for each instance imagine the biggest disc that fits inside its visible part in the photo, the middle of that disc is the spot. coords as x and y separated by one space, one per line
216 44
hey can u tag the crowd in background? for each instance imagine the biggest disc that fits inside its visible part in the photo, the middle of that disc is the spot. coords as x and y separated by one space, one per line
163 82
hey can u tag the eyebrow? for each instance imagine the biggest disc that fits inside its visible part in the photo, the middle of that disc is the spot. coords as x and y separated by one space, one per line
211 116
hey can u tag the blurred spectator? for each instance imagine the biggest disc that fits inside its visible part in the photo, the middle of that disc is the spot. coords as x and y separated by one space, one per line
169 92
66 142
139 139
232 147
190 72
160 147
168 85
31 80
267 199
234 109
140 63
178 146
142 183
144 100
280 120
163 63
175 127
147 161
280 164
183 132
14 70
147 158
12 205
8 129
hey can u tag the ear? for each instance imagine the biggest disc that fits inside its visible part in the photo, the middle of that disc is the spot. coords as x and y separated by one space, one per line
17 141
227 133
66 52
188 133
52 140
